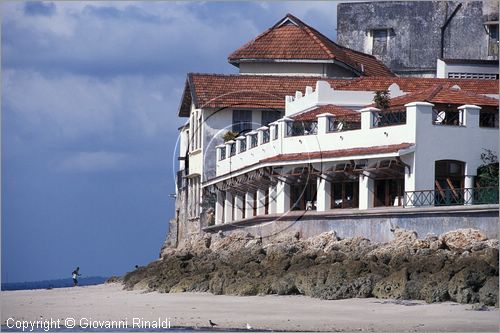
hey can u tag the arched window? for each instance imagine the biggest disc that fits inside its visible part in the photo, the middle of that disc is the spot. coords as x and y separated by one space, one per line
449 182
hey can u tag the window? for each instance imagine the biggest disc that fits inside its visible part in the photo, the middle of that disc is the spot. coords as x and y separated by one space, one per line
195 128
222 153
379 41
449 182
242 121
270 116
194 194
492 39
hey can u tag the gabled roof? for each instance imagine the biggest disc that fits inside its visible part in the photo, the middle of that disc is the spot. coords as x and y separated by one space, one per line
337 111
291 39
439 94
269 91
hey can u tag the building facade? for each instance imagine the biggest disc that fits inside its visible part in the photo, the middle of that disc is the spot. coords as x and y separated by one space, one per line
410 36
305 136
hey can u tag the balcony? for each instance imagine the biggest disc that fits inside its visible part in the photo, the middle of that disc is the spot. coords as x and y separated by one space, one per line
376 128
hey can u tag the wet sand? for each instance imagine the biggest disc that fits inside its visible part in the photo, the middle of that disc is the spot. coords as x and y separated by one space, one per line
286 313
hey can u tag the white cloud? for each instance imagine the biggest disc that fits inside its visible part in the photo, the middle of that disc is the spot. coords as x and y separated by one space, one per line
94 161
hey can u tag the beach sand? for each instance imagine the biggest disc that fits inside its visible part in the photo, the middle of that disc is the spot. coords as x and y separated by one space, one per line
292 313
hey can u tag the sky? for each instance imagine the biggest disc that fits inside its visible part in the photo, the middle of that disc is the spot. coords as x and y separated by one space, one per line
90 94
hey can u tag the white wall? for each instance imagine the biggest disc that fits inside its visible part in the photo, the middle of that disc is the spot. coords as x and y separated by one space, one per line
294 69
324 94
443 69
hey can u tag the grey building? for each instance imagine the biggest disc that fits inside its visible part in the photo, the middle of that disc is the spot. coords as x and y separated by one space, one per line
409 36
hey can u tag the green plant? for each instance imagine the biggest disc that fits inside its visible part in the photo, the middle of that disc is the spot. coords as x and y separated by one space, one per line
230 135
382 99
487 173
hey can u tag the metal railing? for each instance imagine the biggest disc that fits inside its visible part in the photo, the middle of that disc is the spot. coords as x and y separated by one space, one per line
223 153
451 197
265 136
232 150
243 145
299 128
449 118
341 125
383 119
253 141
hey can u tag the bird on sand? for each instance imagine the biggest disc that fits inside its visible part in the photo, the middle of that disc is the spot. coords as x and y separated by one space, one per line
212 324
249 327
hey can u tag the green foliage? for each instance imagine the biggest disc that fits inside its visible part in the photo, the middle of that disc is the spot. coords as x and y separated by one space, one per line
230 135
382 99
487 173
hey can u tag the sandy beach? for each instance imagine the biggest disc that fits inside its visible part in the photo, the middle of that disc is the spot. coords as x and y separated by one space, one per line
292 313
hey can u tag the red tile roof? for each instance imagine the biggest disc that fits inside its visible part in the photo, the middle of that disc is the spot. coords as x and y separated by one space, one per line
339 153
337 111
292 39
268 91
442 95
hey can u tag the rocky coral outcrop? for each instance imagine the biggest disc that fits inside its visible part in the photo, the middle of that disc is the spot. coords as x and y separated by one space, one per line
459 266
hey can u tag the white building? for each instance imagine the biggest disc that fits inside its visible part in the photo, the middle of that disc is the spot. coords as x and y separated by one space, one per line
310 140
323 156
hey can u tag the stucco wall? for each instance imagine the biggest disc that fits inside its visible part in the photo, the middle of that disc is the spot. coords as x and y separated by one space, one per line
416 38
375 225
294 69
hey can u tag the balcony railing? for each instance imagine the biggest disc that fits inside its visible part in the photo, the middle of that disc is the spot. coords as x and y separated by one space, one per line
253 141
299 128
265 136
232 150
383 119
222 154
451 197
341 125
449 118
243 145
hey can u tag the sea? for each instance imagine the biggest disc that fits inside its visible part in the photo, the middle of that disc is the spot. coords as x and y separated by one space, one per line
56 283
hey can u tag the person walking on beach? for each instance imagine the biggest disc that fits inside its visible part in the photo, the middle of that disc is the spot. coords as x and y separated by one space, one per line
76 274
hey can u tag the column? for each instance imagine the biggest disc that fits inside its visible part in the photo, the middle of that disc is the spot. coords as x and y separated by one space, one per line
323 122
228 208
470 115
469 190
219 208
261 202
366 188
323 197
283 197
249 205
238 209
367 117
272 199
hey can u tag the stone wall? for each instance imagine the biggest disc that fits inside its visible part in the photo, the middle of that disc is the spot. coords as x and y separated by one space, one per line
376 224
415 38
